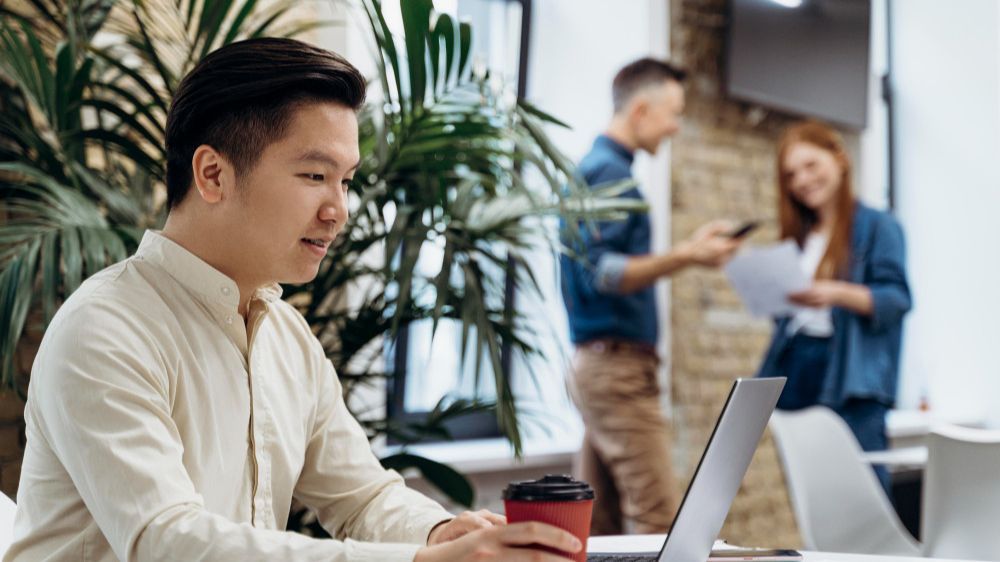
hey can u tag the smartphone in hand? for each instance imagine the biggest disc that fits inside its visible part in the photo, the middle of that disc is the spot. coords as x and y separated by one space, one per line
744 229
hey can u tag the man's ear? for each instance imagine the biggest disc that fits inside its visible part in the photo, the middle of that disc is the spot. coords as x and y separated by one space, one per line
638 108
212 174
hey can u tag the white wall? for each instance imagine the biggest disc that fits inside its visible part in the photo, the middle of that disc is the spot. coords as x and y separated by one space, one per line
946 64
872 185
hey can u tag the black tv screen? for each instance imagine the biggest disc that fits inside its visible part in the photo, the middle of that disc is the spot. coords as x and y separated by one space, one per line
807 57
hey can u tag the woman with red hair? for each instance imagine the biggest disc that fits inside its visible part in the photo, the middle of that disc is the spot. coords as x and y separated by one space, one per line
841 348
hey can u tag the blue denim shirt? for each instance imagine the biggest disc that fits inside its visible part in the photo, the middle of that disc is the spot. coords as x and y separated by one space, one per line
864 361
595 305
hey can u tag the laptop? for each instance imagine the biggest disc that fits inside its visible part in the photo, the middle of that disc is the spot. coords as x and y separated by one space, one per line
717 478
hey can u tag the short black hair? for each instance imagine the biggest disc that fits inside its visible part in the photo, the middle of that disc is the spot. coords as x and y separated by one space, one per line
239 99
639 74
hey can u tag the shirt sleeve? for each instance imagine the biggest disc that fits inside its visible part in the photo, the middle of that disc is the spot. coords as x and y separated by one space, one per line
608 244
886 276
101 399
343 481
609 272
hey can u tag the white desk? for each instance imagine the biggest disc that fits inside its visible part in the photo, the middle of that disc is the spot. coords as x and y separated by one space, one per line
905 458
832 557
907 431
652 543
906 428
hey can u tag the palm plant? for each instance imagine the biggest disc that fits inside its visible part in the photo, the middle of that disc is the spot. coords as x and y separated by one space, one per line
444 162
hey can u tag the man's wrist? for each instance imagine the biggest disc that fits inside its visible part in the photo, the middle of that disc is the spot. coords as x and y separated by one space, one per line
682 255
435 529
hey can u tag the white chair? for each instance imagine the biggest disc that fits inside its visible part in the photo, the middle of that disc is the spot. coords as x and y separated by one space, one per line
7 511
961 494
838 502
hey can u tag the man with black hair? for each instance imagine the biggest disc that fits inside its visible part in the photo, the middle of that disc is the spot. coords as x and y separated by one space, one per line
177 404
613 317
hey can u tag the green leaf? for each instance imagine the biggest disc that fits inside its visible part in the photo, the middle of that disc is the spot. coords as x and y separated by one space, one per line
383 45
45 80
139 107
51 276
241 16
210 24
126 146
144 43
62 83
533 109
441 476
444 29
15 301
154 140
416 24
464 46
434 58
155 97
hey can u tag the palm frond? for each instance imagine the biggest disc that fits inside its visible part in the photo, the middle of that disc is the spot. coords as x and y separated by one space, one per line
55 237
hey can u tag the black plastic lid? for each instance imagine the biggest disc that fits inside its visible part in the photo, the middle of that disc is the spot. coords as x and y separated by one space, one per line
552 488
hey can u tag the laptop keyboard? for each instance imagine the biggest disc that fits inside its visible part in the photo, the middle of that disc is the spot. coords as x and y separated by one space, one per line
636 557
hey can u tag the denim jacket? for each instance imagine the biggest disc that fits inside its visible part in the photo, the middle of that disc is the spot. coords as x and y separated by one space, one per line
864 361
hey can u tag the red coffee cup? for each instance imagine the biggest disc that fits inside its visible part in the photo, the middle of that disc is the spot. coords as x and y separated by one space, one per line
558 500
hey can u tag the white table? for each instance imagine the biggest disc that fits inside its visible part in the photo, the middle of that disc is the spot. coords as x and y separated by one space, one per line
906 428
652 543
832 557
904 458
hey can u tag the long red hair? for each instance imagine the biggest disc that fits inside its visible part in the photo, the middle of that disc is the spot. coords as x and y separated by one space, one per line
797 220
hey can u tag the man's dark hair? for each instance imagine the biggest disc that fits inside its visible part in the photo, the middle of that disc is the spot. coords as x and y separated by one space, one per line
639 74
239 99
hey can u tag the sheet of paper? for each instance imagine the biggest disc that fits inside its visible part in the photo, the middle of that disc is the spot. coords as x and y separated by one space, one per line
634 543
764 276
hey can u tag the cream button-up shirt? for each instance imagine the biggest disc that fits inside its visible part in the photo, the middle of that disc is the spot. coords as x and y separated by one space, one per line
161 427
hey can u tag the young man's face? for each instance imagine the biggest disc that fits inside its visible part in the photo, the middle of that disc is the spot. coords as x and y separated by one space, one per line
293 204
658 115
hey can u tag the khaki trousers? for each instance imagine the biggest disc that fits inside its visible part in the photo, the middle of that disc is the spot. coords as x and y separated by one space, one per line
626 449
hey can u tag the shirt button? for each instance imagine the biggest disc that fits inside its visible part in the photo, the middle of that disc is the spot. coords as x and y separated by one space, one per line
229 319
226 291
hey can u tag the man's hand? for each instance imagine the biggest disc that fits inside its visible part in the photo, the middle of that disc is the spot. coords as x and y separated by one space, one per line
465 523
503 542
710 245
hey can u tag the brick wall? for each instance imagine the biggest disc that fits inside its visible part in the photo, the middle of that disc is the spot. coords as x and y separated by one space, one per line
723 167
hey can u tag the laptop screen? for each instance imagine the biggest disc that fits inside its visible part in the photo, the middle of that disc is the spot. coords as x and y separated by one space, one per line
716 480
719 473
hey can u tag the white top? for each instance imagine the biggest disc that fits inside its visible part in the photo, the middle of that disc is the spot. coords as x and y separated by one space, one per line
161 427
816 322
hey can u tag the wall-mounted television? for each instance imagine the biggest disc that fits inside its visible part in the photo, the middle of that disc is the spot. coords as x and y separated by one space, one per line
805 57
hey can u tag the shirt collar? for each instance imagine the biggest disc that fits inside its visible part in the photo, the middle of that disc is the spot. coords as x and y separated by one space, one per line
208 283
607 143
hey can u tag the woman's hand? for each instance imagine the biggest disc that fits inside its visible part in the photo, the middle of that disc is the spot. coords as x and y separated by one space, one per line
509 543
823 293
465 523
826 293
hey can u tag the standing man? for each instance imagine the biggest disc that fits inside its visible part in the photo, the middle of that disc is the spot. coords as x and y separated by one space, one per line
612 314
177 404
